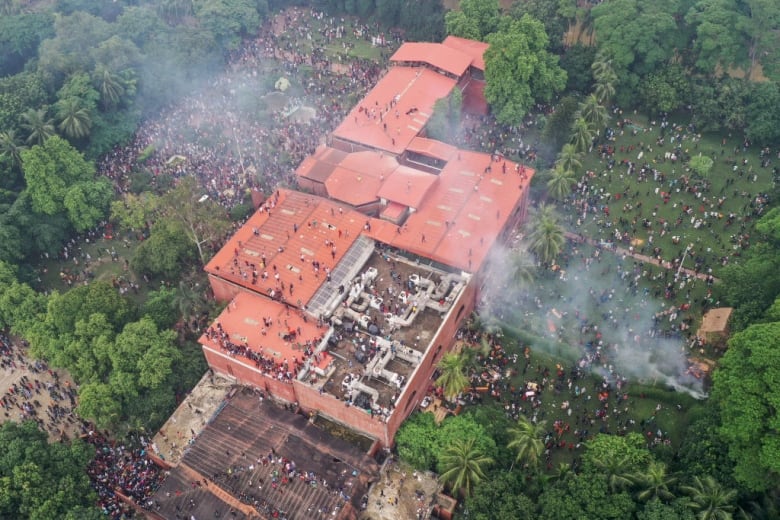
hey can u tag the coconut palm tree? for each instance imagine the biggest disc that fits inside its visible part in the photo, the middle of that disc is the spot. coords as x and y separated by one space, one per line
75 121
617 470
709 499
604 88
109 85
11 148
526 439
546 238
581 135
593 112
560 472
560 183
463 466
523 267
654 482
569 158
452 377
601 66
39 128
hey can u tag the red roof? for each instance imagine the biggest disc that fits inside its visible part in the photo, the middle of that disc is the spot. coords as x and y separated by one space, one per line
432 148
473 48
285 337
319 166
407 186
393 211
437 55
462 214
290 230
359 176
396 109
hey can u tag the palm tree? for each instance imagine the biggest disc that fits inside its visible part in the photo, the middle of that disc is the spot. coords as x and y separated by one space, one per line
526 438
175 10
710 500
601 66
10 147
75 121
452 377
546 238
39 127
464 466
569 158
605 87
187 299
581 135
593 112
523 267
560 472
109 85
560 183
655 482
617 471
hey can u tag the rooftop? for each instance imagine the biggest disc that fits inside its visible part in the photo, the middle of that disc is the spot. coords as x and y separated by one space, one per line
462 213
407 186
473 48
359 176
396 109
288 246
243 461
449 59
266 334
382 325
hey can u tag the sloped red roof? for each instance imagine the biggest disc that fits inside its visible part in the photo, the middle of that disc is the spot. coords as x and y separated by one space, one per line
473 48
407 186
319 166
396 109
437 55
393 210
358 177
291 234
462 214
432 148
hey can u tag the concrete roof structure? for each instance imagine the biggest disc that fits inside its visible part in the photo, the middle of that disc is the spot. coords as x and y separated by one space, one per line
407 186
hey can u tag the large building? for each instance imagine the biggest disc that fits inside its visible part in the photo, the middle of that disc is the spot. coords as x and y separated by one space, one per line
343 299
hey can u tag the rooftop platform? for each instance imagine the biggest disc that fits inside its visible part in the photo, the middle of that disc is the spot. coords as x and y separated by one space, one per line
265 462
267 334
382 326
287 247
395 110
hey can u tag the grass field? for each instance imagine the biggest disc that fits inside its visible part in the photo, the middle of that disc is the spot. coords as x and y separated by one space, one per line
674 209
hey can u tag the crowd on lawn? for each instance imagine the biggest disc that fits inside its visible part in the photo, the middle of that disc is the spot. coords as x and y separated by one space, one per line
209 135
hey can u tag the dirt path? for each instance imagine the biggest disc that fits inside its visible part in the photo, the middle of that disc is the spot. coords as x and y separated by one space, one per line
644 258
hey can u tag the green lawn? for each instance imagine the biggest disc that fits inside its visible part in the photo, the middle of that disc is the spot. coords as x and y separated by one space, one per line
638 206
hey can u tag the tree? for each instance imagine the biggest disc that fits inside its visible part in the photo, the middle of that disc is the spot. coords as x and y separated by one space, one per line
752 285
87 203
464 466
51 170
584 496
745 388
474 19
594 113
526 439
546 238
20 36
654 482
228 20
519 71
709 499
701 165
11 147
500 496
763 114
75 121
577 61
167 252
109 85
38 127
569 158
718 42
618 459
581 135
557 129
202 221
452 378
39 480
560 183
657 510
